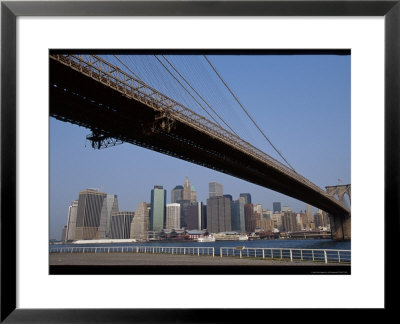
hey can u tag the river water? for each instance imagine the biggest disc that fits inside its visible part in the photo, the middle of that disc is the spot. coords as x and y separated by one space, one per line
279 243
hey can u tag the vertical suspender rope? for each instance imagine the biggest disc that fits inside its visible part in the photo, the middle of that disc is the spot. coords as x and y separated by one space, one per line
248 115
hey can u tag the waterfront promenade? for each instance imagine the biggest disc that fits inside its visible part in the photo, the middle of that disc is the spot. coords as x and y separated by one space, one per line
142 259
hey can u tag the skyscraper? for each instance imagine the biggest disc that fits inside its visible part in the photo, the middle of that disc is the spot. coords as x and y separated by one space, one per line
173 218
299 221
277 219
247 197
195 214
249 219
228 196
238 223
289 223
157 211
110 206
219 214
184 206
140 222
310 217
258 208
64 234
71 222
176 194
215 189
266 214
276 207
90 204
186 189
193 194
121 224
318 220
266 224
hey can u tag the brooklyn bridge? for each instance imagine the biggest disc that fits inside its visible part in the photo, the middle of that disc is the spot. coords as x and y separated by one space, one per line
117 106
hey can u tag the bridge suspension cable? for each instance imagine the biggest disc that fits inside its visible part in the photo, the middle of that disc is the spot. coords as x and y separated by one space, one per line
126 66
187 90
244 109
184 79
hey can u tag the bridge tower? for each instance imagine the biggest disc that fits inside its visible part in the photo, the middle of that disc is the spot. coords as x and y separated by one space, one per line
340 224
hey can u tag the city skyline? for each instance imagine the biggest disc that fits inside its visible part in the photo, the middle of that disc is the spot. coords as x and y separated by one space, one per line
311 126
165 220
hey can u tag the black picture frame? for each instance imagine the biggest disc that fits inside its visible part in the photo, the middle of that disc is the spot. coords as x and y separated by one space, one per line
10 10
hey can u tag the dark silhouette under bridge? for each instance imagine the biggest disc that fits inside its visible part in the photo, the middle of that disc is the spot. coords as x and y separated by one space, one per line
88 91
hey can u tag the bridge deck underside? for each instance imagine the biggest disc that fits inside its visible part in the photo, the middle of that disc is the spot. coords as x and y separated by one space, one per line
80 100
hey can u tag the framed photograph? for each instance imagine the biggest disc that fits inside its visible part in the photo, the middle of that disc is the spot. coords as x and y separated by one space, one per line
67 59
155 224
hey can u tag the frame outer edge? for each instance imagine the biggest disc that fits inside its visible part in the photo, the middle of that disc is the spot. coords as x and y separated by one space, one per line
8 150
392 145
203 8
8 162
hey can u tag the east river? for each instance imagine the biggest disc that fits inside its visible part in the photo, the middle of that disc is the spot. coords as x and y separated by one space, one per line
278 243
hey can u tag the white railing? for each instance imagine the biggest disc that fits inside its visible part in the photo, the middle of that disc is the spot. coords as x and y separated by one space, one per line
138 249
315 255
284 254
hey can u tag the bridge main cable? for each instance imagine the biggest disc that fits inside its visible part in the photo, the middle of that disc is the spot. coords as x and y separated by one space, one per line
248 115
190 93
196 92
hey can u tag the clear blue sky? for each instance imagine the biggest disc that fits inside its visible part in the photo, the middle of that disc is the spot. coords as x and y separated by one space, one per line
301 102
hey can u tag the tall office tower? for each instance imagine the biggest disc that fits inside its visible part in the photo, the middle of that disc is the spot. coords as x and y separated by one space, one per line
266 214
277 219
286 209
140 222
258 208
157 210
173 220
219 214
324 218
176 194
293 222
228 196
266 224
310 218
195 216
238 223
121 224
276 207
285 222
289 223
327 220
71 222
303 217
186 189
318 220
215 189
184 206
90 204
110 205
256 217
247 197
64 234
299 221
249 218
203 216
193 194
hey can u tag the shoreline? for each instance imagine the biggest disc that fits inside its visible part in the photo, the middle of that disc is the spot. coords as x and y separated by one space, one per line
116 259
167 264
